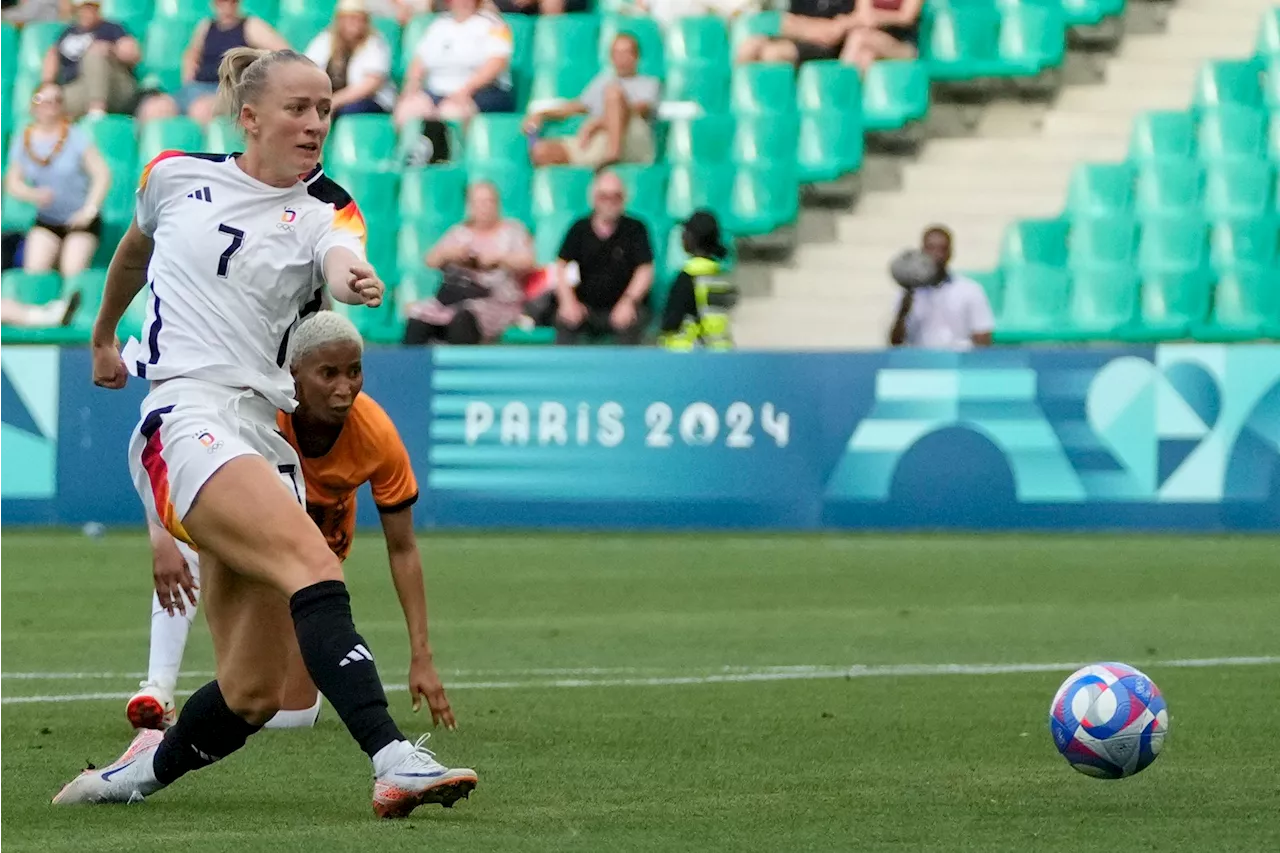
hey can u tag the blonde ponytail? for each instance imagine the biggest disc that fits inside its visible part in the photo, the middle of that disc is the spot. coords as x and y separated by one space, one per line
242 76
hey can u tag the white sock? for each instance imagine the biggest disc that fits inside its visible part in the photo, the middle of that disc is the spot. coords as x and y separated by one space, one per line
168 642
304 719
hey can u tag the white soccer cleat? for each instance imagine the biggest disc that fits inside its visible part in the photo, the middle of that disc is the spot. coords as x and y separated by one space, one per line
413 777
151 708
129 779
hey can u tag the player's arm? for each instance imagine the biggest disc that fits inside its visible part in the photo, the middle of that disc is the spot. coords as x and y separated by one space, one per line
406 576
126 276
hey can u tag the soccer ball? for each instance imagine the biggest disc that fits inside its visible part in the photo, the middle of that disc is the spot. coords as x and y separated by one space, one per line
1108 720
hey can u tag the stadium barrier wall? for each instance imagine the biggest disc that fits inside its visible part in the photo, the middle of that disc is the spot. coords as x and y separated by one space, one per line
1161 438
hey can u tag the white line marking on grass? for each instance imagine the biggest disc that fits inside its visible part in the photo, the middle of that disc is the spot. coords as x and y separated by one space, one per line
733 675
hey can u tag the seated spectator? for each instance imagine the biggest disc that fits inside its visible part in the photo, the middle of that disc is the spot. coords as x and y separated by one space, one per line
94 60
811 29
697 309
605 270
883 29
667 12
55 166
402 10
540 7
27 11
484 259
619 104
229 27
461 66
358 61
950 312
59 312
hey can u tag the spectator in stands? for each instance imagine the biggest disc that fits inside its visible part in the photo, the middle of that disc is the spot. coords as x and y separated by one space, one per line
94 60
484 259
402 10
461 66
357 59
953 314
59 312
55 166
855 31
28 11
605 270
883 29
229 27
667 12
619 104
540 7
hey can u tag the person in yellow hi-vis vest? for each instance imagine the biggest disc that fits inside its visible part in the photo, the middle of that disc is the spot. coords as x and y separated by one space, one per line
697 310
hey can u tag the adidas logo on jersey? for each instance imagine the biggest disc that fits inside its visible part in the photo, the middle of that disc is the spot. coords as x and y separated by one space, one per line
201 194
359 653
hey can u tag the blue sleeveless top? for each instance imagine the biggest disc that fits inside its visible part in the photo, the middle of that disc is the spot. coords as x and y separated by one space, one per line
217 42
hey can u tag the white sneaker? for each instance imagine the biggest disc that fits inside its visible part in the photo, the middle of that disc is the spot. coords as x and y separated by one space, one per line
128 779
151 708
408 775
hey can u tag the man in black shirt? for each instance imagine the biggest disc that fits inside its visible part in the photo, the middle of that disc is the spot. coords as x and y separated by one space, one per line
605 270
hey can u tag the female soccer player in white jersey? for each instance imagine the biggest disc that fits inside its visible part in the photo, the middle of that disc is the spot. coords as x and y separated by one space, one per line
233 249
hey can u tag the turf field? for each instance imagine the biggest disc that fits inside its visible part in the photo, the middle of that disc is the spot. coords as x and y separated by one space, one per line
680 693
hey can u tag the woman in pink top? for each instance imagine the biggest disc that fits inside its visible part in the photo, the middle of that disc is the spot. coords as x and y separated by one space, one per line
883 29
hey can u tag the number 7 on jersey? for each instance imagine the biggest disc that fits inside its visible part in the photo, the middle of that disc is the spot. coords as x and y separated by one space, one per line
237 240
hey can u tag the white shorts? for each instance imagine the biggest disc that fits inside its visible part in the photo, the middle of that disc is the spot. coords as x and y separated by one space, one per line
189 429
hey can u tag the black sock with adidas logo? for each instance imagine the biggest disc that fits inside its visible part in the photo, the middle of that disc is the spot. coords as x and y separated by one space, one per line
341 665
207 731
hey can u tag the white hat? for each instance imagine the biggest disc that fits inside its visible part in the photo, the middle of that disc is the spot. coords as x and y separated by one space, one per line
347 6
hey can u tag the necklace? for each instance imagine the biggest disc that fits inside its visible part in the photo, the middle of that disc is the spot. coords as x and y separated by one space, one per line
64 130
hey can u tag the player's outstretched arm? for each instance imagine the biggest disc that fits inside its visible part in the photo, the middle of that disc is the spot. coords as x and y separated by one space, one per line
125 277
351 278
406 576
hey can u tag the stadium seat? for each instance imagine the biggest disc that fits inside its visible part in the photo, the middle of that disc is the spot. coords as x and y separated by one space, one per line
1099 189
522 29
496 137
763 87
1268 45
1036 300
1246 304
390 30
294 7
367 142
1173 244
36 39
1271 85
8 58
1240 188
1168 304
560 189
700 185
561 81
767 23
177 134
114 137
1228 82
222 136
1243 242
961 43
414 240
133 15
1273 144
1034 241
1103 299
764 198
1033 38
433 192
34 288
645 31
646 188
374 191
831 145
825 85
1232 132
708 87
299 29
701 140
765 139
894 94
1168 187
175 11
1090 12
992 282
512 180
1101 240
548 235
1162 134
561 39
700 42
162 52
90 285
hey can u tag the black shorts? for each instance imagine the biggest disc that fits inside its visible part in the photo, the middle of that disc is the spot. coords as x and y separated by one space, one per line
807 51
61 231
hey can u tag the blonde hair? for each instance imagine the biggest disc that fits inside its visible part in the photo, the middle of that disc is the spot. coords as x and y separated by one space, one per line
318 330
242 75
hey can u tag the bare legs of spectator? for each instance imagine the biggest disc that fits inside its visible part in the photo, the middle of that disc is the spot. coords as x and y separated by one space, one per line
104 85
616 118
419 106
163 106
866 44
597 324
767 49
56 313
43 250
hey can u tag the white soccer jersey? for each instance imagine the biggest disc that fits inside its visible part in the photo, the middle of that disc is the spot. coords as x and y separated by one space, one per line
236 264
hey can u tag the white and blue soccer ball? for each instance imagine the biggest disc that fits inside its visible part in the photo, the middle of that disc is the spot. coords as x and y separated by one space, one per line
1109 720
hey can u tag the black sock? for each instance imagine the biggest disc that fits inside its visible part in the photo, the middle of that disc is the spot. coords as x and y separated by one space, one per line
207 731
341 665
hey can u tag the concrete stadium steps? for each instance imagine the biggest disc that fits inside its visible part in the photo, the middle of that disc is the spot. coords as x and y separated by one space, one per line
1015 164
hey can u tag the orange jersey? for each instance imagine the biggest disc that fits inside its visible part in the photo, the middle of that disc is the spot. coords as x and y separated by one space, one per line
368 450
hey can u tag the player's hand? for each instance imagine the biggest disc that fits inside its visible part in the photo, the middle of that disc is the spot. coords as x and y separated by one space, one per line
365 283
623 315
172 577
108 367
424 683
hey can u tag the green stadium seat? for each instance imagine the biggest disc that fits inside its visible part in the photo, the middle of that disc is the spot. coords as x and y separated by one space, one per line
548 235
758 24
1243 242
168 134
1090 12
1036 303
299 29
826 85
702 140
1162 134
375 191
1269 34
413 242
700 185
114 138
645 31
831 145
496 137
390 30
1228 82
1232 131
537 336
697 41
1172 244
1273 143
708 87
1168 304
1101 239
410 35
1246 304
961 43
35 41
763 87
367 142
180 10
512 180
1103 301
1239 188
133 15
294 7
162 52
8 57
764 198
381 325
894 94
1271 85
992 282
561 190
433 192
90 285
1100 189
646 188
1034 241
1168 187
416 285
562 81
34 288
222 136
560 39
765 139
1033 38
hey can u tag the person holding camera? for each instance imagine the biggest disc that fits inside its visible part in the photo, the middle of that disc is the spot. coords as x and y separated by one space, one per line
938 309
484 260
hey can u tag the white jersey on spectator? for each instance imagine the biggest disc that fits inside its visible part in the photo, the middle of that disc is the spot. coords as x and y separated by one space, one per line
236 264
948 316
452 51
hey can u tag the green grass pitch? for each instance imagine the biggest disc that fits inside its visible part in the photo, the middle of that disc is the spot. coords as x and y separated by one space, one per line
687 693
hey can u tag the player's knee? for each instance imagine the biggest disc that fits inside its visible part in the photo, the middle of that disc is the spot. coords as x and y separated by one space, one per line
253 700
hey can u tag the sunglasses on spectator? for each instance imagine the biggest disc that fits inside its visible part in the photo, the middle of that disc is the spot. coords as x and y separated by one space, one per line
609 196
40 100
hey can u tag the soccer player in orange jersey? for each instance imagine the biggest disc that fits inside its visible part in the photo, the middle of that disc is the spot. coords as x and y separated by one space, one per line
344 439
